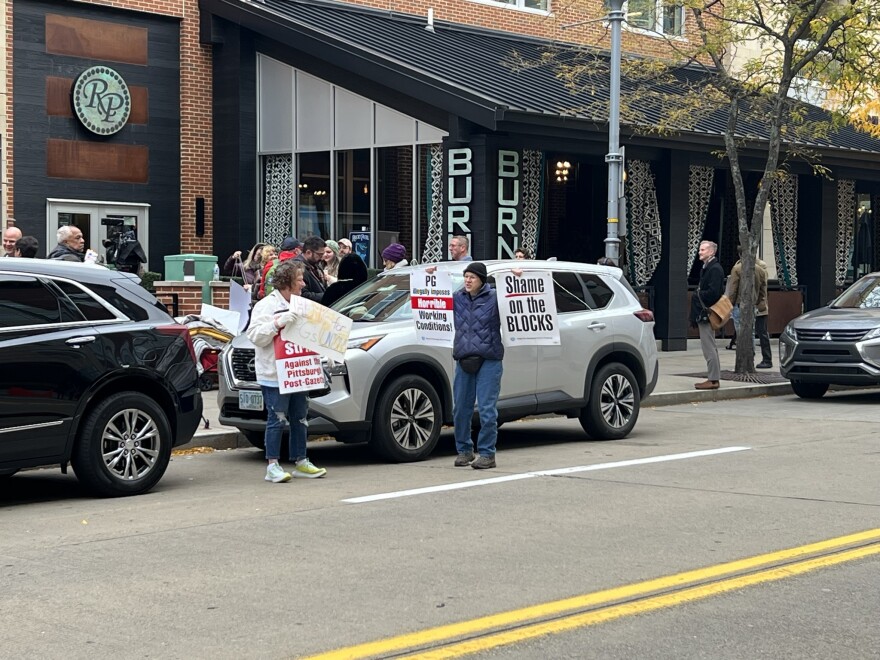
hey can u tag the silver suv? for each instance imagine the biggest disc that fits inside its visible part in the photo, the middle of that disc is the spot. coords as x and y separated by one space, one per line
396 394
835 345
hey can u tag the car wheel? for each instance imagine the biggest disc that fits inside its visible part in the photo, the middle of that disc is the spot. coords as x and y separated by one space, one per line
407 421
124 446
613 407
809 390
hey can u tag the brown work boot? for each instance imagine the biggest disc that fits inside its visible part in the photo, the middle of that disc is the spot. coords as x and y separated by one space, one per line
707 385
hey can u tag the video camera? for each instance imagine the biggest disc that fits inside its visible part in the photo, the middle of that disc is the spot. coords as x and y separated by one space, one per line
123 249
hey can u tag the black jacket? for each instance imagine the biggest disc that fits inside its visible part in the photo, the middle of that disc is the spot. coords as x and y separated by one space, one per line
711 288
315 287
352 273
62 251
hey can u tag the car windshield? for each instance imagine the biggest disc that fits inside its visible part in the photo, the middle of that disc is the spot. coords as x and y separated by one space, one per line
384 298
864 294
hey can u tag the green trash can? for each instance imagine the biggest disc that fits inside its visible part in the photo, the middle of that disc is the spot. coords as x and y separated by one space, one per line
203 270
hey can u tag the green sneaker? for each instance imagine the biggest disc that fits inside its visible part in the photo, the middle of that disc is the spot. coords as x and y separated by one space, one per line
276 474
305 469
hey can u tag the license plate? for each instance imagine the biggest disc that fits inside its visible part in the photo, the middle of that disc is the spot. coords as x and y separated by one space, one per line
250 400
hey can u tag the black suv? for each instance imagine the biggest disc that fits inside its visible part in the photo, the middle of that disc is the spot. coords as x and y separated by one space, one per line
93 371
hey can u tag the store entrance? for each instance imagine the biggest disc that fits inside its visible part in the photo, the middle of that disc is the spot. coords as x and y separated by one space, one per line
103 224
575 209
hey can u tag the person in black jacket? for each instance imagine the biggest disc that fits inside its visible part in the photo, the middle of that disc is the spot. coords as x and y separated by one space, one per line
352 273
709 291
311 256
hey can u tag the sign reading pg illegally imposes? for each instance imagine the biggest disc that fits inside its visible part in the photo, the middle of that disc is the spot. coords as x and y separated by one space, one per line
431 298
527 305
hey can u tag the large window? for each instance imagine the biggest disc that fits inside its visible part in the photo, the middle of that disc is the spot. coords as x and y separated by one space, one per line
313 190
352 191
656 16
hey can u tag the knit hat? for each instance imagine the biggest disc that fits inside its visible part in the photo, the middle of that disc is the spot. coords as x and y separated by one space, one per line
333 245
394 252
289 244
478 268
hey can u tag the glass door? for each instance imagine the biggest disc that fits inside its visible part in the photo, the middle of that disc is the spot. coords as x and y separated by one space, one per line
108 228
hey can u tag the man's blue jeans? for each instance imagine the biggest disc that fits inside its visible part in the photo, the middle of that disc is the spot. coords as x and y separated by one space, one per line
281 409
483 388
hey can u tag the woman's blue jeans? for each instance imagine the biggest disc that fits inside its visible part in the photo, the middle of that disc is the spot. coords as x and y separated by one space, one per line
281 409
482 388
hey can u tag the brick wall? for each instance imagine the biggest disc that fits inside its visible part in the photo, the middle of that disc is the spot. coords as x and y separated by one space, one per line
536 24
195 122
220 294
189 296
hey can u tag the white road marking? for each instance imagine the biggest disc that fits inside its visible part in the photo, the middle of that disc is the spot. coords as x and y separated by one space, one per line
542 473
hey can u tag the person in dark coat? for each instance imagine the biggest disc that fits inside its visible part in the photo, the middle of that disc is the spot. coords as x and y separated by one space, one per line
311 257
71 245
352 273
477 351
709 291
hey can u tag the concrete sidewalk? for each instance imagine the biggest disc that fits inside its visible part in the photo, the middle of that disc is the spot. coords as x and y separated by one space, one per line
675 385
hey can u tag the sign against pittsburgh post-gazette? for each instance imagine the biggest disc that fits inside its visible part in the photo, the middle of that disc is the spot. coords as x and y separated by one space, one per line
101 100
431 298
527 306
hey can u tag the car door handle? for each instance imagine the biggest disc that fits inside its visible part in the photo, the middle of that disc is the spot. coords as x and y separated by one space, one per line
596 326
76 342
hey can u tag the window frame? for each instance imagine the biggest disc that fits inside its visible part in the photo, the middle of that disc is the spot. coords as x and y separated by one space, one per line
657 30
516 6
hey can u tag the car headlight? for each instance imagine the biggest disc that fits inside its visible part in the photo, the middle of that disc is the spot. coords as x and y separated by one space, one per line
790 331
364 343
871 334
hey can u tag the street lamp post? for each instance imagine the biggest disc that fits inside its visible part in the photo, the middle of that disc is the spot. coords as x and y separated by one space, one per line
614 158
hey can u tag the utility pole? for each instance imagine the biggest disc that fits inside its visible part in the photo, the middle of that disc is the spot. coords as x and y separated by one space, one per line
614 158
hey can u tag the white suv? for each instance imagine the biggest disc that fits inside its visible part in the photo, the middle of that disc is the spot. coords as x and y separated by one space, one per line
396 393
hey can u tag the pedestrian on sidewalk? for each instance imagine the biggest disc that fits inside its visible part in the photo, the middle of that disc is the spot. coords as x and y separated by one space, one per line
268 318
708 293
477 351
761 308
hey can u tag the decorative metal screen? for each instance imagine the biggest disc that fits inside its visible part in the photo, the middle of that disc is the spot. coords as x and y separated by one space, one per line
699 196
277 199
783 220
532 200
644 237
846 215
434 245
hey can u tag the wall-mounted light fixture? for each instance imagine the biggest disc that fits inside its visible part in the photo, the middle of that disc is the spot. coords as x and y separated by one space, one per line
562 169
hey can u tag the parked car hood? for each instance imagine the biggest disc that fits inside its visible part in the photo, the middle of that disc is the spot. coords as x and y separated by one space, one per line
841 317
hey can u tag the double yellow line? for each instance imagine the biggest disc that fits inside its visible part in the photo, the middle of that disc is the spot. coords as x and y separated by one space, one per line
488 632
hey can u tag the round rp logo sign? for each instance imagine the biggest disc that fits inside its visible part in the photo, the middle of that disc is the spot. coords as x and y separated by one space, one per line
101 100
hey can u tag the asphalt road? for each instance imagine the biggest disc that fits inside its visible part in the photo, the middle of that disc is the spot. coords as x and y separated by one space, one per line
218 563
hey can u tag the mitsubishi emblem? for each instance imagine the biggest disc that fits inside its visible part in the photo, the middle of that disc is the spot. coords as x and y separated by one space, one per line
827 337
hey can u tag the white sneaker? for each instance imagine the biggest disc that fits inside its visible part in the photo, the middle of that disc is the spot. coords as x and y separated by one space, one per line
276 474
307 470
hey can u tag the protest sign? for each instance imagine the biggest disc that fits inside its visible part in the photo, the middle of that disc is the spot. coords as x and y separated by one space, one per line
299 369
527 305
317 328
431 298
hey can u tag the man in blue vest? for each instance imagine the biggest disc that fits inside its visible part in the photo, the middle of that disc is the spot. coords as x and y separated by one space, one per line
477 351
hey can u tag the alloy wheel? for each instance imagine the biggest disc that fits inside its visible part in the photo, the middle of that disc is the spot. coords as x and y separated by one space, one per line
130 444
617 400
412 418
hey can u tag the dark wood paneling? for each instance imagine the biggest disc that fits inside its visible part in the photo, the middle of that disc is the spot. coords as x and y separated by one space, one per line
95 40
58 100
97 161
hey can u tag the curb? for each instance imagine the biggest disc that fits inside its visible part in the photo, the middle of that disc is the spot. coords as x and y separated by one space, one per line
721 394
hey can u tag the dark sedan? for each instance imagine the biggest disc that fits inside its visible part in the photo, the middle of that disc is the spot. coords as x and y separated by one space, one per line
835 345
93 372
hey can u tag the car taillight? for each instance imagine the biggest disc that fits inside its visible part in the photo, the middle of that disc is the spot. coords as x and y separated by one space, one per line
645 315
182 331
